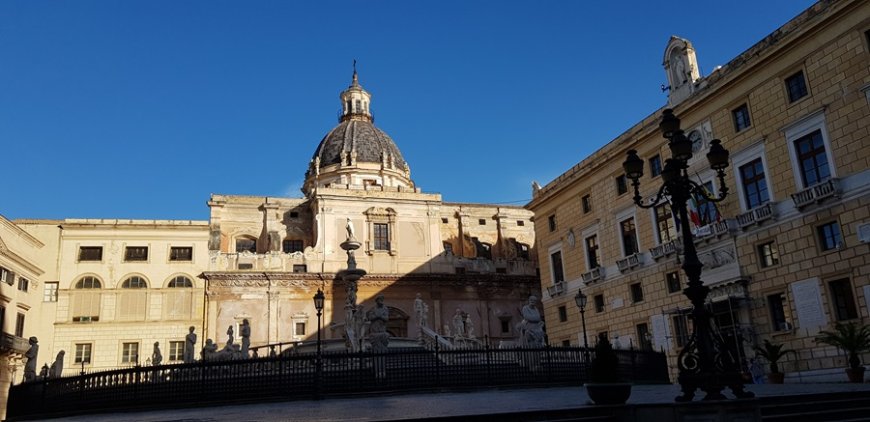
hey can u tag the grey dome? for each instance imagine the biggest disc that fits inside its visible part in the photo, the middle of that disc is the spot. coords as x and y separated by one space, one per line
369 142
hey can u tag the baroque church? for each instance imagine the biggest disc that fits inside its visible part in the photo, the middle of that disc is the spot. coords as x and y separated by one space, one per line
103 291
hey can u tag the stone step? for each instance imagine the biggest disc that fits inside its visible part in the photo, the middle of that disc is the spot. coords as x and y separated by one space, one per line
823 415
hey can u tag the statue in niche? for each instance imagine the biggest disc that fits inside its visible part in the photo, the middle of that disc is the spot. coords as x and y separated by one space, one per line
245 334
156 356
680 74
531 328
459 323
57 366
377 318
189 344
31 355
351 234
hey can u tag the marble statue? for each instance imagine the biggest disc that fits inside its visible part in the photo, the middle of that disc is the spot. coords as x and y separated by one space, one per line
189 344
679 70
57 366
208 350
531 328
378 318
156 356
469 326
245 334
31 355
230 337
458 323
350 230
421 309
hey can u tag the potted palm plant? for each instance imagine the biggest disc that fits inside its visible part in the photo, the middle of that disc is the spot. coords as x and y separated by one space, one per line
852 339
773 353
605 386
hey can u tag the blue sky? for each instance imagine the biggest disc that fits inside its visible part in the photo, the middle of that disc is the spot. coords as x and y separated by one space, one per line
142 109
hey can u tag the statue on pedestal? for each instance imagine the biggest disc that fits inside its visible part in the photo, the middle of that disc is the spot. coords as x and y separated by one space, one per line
189 344
57 366
378 318
156 356
31 355
209 350
230 337
245 333
459 324
532 326
421 309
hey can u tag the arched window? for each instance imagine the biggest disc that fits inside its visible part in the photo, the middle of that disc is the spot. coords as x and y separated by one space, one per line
134 282
88 282
246 244
180 282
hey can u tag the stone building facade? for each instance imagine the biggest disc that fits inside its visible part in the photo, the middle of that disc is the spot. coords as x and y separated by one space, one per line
786 254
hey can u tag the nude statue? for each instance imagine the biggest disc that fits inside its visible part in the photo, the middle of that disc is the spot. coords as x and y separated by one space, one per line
350 231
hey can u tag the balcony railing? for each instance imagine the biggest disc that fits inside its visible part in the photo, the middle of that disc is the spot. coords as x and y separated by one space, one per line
817 193
665 249
629 262
756 215
592 275
556 289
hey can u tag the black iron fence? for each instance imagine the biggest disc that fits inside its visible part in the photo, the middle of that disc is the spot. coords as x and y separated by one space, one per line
304 376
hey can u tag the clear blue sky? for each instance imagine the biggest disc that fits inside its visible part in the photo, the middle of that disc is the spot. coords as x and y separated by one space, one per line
142 109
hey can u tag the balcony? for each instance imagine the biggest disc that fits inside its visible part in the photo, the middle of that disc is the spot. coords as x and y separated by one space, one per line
556 289
13 344
756 215
714 230
665 249
817 193
627 263
592 275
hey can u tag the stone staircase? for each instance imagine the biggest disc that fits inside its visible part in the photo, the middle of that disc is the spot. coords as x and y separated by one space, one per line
851 406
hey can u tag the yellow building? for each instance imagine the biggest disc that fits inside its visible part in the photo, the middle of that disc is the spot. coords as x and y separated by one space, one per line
786 254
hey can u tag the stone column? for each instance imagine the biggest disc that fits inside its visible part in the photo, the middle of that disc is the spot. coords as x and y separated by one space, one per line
274 320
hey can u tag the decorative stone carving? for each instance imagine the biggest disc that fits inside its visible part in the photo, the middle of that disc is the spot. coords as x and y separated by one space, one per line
189 344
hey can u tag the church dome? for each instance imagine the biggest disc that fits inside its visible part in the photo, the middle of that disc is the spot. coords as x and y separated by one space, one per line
360 138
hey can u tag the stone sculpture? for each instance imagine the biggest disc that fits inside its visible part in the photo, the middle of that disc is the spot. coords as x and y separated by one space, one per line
31 355
209 350
230 337
245 334
421 309
156 356
189 344
378 318
459 324
350 230
57 366
531 328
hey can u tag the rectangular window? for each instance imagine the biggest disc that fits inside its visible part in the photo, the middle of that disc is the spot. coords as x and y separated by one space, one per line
644 338
556 262
382 236
522 250
829 236
796 86
19 325
300 268
673 281
292 245
49 291
176 351
83 353
629 236
754 183
299 329
741 117
444 221
551 220
621 185
586 201
842 299
812 158
563 314
566 343
636 293
655 165
7 276
129 352
599 303
481 222
703 212
665 226
776 307
521 223
91 253
592 252
681 330
181 253
294 214
136 253
767 254
23 284
505 326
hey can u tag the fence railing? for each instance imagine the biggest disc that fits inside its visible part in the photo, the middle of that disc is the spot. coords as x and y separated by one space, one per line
304 376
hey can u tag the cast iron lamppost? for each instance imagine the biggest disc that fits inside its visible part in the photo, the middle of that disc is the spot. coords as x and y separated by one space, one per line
704 363
581 303
318 304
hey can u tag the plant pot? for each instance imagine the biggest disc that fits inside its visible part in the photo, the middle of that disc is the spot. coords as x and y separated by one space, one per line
775 377
855 374
609 393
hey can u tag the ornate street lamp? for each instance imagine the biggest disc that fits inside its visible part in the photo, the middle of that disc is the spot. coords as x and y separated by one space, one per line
318 305
581 303
704 363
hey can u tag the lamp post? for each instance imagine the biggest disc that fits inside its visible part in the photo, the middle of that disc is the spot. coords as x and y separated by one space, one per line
581 303
704 363
318 305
